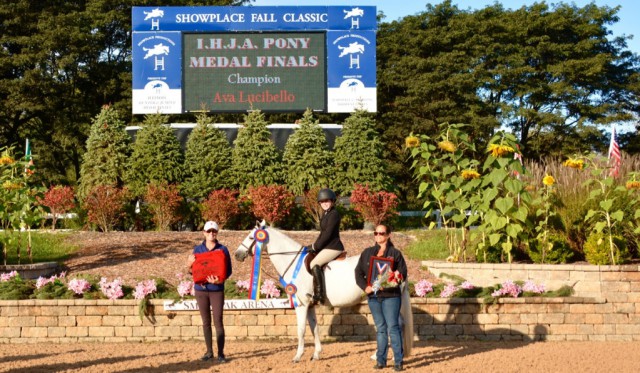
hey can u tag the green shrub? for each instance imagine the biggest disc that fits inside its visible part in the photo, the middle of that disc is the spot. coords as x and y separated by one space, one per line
559 252
596 249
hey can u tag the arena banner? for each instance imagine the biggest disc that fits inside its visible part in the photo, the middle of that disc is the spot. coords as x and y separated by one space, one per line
232 304
238 58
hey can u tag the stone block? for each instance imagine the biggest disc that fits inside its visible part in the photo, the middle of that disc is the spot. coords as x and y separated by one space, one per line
10 332
275 330
167 331
236 331
112 320
180 320
575 318
509 318
551 318
29 310
46 321
485 319
255 330
247 320
101 331
453 329
76 311
77 331
593 318
285 320
266 320
54 311
56 331
341 330
143 331
89 320
123 331
66 321
24 321
132 321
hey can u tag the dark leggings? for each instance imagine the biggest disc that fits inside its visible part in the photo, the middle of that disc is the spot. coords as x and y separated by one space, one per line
213 300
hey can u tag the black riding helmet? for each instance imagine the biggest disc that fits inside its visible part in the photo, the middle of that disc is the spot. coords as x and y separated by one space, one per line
325 194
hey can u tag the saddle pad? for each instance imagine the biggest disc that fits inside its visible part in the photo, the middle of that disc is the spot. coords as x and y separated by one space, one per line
211 263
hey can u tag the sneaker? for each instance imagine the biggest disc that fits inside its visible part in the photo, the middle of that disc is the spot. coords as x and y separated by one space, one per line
222 359
206 357
398 368
378 366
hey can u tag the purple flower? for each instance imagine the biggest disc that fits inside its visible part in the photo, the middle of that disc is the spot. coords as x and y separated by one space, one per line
423 287
508 288
42 281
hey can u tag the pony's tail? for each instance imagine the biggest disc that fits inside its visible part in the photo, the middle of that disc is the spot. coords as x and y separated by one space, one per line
407 317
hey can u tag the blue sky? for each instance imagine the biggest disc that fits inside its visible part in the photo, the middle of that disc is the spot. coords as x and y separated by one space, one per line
394 9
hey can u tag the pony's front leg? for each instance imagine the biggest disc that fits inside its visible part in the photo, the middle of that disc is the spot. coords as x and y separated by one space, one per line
313 325
301 317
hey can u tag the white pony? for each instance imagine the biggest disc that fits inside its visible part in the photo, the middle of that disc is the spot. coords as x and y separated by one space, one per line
342 290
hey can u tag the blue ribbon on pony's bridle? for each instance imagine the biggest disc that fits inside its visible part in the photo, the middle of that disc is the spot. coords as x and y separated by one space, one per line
294 299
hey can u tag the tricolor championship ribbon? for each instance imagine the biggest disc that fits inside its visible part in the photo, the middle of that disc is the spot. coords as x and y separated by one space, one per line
290 288
261 236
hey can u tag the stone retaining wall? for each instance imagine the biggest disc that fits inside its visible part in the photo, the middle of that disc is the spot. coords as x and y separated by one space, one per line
610 312
523 319
587 280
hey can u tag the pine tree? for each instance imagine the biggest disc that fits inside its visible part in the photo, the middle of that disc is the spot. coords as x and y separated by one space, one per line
108 148
308 162
358 155
157 156
207 160
255 158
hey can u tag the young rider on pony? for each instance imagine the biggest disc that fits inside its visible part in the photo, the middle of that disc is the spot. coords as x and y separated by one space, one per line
328 244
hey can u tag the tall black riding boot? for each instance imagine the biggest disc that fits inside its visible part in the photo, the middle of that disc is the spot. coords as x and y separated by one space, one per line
318 285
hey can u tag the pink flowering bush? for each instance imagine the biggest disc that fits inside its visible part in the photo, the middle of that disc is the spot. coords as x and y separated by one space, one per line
509 288
423 287
448 291
531 287
79 285
4 277
113 289
269 289
185 286
144 288
243 285
42 281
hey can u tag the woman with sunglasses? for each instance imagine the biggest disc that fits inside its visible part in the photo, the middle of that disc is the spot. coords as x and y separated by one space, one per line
210 294
384 303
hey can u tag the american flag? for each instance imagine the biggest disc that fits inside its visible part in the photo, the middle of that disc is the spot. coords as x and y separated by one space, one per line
614 154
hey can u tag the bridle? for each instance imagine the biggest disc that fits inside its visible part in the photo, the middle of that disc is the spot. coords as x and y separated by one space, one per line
253 244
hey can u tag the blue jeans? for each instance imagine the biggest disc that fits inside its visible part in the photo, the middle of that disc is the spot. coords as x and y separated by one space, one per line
385 312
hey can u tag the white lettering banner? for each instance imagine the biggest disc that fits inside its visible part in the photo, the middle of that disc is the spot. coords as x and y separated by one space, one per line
231 304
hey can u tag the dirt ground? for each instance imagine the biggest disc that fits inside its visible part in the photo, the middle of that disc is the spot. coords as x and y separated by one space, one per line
340 357
135 256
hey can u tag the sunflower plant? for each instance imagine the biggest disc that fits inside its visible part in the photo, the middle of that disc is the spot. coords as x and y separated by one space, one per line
544 213
18 207
501 203
447 177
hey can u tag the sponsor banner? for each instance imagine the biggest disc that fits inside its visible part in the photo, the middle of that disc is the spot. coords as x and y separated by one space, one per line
351 71
232 304
157 72
254 18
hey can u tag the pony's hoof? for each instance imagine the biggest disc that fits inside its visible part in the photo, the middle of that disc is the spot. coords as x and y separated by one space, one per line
314 357
296 359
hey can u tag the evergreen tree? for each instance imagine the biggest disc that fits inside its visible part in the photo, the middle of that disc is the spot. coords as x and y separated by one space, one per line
108 148
207 160
255 158
358 155
308 162
157 156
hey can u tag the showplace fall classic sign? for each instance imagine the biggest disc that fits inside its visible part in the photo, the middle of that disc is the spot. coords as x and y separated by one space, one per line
231 304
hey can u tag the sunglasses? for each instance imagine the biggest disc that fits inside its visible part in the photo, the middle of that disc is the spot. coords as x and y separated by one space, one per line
379 233
212 231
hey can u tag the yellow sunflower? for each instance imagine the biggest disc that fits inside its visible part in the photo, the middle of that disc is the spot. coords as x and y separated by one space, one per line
447 146
470 174
412 142
633 184
578 164
498 150
5 159
548 180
